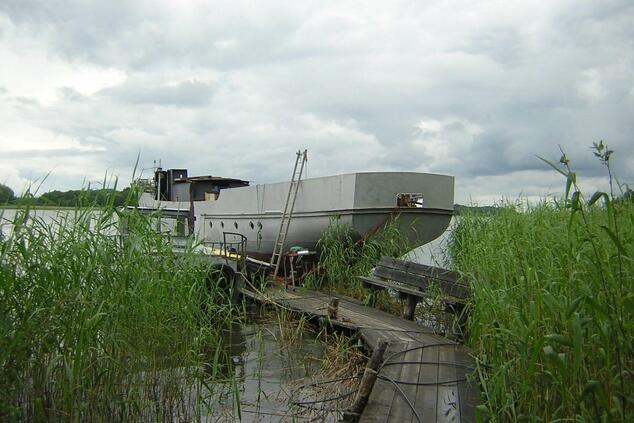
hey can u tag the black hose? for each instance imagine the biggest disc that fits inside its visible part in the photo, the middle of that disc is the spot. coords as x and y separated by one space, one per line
338 397
418 347
437 363
409 403
402 382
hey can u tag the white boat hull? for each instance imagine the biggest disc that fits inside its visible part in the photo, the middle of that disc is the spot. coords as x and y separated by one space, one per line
363 201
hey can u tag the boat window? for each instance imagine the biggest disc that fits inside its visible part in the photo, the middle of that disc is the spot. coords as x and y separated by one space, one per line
252 225
409 199
222 224
211 224
235 225
259 225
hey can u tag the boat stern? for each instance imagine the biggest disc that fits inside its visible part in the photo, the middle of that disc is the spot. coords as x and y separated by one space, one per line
422 203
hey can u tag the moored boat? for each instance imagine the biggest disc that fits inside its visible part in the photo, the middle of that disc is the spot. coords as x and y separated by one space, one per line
364 201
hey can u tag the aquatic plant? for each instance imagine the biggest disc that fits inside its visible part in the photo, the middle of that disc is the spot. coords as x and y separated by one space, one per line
553 297
95 326
342 259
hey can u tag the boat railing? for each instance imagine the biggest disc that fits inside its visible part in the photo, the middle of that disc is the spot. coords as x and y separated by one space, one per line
232 247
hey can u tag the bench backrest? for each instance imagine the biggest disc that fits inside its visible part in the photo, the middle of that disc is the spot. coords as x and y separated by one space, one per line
421 276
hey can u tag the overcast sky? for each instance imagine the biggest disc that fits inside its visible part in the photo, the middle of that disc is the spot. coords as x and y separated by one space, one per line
471 89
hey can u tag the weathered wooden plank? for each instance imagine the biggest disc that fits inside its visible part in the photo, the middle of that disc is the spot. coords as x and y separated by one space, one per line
371 337
448 404
422 269
427 393
437 397
454 302
383 395
452 288
386 320
367 383
378 407
443 276
405 399
469 393
391 285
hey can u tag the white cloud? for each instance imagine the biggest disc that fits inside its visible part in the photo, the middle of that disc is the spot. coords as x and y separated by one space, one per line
444 143
590 86
31 71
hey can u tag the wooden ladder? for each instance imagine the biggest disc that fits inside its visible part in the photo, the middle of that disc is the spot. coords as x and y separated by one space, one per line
287 214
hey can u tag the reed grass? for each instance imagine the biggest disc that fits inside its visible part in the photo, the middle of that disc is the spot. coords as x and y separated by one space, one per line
551 323
342 258
99 327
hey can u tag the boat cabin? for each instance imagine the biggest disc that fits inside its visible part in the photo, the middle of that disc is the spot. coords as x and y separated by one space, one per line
175 185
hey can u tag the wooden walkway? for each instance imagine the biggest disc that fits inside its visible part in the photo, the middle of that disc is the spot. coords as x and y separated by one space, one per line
423 376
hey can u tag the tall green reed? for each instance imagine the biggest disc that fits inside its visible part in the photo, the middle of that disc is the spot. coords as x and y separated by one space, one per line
342 258
551 323
99 327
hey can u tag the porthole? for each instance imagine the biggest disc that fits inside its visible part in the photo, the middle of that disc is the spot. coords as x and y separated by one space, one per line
259 225
211 224
222 224
252 225
235 225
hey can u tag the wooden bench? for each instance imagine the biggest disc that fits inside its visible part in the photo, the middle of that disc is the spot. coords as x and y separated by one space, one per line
412 280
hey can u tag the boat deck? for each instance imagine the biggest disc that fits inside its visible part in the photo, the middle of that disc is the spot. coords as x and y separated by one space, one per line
423 377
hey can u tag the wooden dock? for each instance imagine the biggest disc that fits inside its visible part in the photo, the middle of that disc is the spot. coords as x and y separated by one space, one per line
423 375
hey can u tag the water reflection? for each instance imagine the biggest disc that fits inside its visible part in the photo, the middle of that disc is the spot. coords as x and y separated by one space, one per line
267 372
222 362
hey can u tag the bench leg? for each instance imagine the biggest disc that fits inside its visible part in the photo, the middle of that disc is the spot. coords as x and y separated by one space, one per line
372 295
410 308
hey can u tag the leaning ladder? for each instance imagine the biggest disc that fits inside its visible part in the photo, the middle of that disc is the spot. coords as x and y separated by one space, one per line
276 257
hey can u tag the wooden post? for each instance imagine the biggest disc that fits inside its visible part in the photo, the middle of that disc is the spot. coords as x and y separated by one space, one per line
333 308
367 383
410 309
191 215
373 293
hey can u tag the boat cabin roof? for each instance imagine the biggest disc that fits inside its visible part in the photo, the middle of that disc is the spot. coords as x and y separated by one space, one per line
209 178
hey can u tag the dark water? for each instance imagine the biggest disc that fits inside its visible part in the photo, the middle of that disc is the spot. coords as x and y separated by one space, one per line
266 374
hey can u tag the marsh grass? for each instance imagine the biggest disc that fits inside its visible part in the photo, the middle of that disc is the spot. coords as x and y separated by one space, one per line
551 321
99 327
342 355
326 395
342 259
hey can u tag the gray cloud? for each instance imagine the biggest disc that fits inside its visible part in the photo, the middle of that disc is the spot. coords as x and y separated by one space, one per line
182 94
464 88
49 153
504 45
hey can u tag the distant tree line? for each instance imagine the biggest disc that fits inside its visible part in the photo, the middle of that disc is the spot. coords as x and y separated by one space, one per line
6 194
461 209
72 198
102 197
626 196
